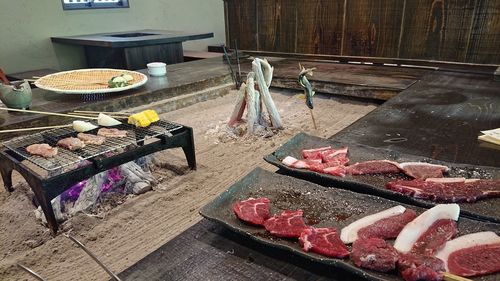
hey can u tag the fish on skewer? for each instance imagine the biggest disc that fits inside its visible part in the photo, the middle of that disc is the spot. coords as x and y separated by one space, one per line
308 90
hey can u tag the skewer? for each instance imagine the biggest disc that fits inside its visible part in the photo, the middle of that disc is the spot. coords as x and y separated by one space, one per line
230 67
105 112
30 271
314 120
34 128
452 277
47 113
94 115
114 276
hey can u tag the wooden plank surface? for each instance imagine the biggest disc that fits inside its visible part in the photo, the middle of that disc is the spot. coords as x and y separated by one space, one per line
372 28
207 251
242 24
319 29
439 117
484 39
447 30
436 29
363 81
275 31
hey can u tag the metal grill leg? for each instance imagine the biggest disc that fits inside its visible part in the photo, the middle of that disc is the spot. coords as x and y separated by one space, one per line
46 208
188 148
6 171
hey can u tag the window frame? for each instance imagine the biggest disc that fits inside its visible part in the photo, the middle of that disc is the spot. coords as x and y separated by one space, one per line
92 5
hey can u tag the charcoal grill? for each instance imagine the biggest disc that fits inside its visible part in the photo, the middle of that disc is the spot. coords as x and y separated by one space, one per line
49 177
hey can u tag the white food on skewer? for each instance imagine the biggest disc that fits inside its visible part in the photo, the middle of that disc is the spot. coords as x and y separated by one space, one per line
349 234
467 241
413 230
82 126
106 120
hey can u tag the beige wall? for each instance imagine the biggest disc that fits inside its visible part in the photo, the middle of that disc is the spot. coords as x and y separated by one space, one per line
27 26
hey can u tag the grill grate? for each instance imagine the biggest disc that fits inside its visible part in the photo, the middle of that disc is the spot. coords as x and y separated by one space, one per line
65 158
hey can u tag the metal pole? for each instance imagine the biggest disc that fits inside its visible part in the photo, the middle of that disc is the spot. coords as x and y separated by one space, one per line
114 276
34 274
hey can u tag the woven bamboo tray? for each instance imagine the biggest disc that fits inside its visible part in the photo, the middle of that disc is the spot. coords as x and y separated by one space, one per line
88 81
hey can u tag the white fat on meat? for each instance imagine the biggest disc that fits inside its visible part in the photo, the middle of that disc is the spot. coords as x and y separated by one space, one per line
446 180
299 164
349 234
413 230
467 241
406 164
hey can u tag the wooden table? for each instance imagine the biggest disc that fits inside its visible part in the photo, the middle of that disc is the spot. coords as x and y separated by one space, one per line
132 49
439 116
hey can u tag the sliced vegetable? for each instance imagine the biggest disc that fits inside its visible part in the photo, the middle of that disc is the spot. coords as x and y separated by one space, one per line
82 126
106 120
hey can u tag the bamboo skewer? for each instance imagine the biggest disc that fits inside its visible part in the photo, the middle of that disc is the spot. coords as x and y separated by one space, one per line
93 115
34 128
105 112
314 120
452 277
47 113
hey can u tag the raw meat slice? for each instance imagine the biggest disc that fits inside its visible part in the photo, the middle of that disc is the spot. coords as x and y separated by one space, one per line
387 228
71 143
314 153
338 171
435 237
349 233
447 190
320 168
375 254
412 260
42 149
415 267
252 210
112 133
414 230
300 164
421 170
338 156
288 224
373 167
324 241
473 254
91 139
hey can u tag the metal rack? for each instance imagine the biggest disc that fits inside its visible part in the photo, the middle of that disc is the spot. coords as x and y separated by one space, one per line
70 167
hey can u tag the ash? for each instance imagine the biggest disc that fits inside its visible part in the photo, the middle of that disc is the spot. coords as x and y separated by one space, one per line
103 191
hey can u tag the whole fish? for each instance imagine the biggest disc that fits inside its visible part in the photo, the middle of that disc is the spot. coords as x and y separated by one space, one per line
308 90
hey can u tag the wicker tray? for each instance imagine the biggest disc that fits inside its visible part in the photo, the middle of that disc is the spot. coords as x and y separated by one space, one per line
88 81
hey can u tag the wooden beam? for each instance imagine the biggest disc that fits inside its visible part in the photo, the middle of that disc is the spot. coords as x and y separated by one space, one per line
431 64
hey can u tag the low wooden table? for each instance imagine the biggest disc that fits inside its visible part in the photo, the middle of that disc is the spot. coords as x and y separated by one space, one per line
439 117
132 49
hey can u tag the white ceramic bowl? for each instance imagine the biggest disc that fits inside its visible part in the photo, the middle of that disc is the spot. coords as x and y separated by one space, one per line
157 68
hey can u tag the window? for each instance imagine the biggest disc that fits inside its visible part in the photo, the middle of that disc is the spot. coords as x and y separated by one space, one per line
94 4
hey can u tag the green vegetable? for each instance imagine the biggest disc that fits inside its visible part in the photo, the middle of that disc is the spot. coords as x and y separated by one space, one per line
118 81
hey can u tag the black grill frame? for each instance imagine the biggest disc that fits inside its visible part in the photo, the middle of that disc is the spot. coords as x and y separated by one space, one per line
47 187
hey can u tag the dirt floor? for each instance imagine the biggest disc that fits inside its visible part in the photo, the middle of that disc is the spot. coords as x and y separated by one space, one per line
140 224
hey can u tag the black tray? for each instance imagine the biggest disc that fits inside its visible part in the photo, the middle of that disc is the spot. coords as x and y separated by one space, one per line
486 209
322 206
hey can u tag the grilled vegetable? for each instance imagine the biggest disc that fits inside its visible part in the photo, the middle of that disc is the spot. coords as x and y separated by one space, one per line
119 81
106 120
144 118
82 126
152 115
